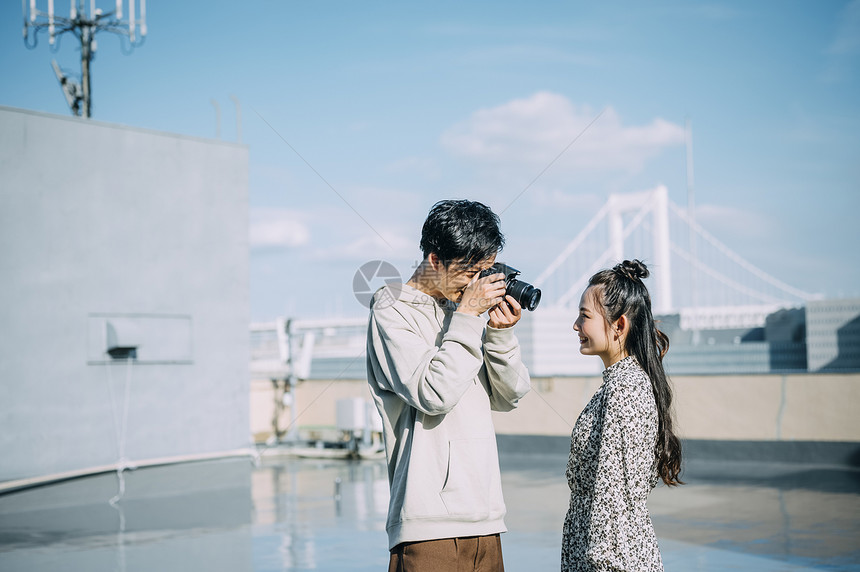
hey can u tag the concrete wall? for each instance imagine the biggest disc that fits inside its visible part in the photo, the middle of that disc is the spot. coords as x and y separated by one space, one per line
315 406
751 407
794 407
105 230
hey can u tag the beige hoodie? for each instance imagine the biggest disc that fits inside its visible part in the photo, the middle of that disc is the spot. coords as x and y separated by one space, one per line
435 374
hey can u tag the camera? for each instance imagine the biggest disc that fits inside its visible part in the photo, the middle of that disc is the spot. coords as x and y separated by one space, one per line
524 293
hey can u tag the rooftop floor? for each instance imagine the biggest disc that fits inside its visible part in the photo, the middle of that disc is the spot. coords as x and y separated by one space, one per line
291 514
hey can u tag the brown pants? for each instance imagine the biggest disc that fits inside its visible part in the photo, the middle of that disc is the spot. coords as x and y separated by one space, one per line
470 554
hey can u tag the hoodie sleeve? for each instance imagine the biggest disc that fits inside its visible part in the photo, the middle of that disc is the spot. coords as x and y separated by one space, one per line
429 378
507 377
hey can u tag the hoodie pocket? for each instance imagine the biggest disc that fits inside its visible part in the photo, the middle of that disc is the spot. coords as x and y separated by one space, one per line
466 492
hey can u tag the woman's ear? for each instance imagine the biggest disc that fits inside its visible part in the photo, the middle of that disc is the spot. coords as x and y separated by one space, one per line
621 327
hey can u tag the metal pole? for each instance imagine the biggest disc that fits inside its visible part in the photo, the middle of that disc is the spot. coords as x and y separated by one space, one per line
292 380
276 410
86 58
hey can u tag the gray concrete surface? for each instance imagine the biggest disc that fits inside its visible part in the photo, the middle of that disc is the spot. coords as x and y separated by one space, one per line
288 514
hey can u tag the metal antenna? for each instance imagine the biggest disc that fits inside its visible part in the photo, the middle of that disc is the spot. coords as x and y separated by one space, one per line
84 25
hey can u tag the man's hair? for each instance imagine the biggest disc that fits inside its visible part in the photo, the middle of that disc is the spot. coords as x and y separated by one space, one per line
461 230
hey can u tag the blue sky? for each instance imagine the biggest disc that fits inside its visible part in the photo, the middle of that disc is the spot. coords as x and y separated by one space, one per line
396 106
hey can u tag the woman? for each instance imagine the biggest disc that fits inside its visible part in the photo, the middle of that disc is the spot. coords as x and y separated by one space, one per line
623 440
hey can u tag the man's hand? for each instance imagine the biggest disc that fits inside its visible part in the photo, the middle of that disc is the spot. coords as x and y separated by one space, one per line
505 314
481 294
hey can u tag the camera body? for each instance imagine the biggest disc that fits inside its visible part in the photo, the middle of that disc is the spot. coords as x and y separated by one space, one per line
524 293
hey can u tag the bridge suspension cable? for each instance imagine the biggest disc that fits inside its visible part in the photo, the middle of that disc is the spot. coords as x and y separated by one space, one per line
720 277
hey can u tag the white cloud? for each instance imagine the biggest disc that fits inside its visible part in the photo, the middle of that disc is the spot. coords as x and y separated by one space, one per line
368 223
277 228
387 245
536 129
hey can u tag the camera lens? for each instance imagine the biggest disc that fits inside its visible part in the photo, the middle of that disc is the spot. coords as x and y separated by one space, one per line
525 294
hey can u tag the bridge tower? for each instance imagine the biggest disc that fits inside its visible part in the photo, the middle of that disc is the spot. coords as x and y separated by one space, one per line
657 203
682 255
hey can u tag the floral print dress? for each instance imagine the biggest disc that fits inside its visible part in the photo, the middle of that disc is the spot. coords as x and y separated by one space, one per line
611 470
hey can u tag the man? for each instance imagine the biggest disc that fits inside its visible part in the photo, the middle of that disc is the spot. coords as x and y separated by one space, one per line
436 368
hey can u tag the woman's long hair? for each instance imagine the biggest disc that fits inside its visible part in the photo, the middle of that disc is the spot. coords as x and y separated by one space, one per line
621 292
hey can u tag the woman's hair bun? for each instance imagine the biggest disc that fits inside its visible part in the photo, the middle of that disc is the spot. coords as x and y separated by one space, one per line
633 269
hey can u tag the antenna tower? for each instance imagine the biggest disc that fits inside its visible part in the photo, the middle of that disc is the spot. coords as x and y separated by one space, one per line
84 24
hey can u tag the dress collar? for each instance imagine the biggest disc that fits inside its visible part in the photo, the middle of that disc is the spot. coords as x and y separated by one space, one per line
613 370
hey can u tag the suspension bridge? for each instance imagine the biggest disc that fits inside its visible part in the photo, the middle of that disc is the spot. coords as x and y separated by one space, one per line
697 282
693 273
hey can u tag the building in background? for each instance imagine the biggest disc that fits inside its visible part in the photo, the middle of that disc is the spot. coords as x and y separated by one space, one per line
824 336
125 284
833 335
